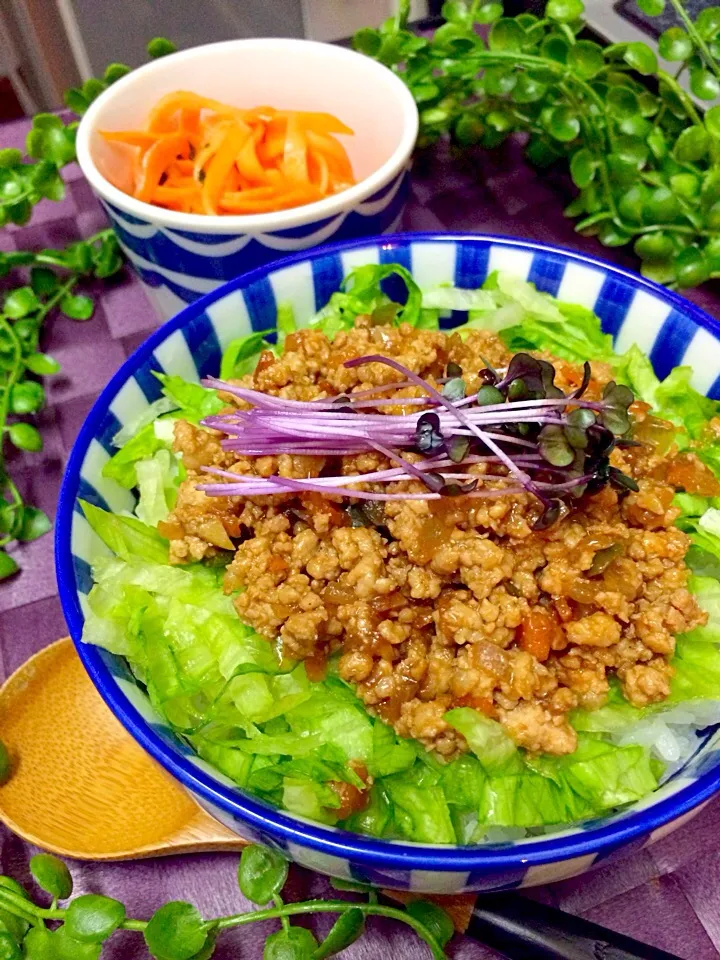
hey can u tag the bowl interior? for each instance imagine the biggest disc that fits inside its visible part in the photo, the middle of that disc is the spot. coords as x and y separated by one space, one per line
667 327
286 74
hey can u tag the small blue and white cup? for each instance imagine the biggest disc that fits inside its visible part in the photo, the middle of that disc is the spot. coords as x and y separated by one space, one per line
181 256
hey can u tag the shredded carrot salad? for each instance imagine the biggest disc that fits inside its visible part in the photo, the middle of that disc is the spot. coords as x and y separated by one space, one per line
198 155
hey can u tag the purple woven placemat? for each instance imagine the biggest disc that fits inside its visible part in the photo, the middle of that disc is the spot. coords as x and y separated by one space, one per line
668 895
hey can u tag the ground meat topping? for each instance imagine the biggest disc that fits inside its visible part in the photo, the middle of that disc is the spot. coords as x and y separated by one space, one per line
456 602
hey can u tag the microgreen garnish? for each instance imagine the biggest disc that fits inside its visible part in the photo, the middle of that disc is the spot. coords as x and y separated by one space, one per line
550 444
177 930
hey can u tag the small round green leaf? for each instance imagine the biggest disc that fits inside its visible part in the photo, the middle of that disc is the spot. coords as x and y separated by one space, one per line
9 950
262 873
26 397
622 102
115 71
35 523
707 23
564 11
712 253
7 565
612 236
160 47
713 216
468 130
640 57
52 875
653 8
691 145
297 943
367 41
632 203
712 121
21 302
93 918
685 185
675 45
11 923
691 267
662 206
38 944
346 930
562 123
25 437
43 281
528 89
488 12
42 364
9 157
583 167
456 11
636 126
586 58
555 48
77 306
704 84
175 932
507 35
654 246
92 88
434 918
500 81
5 765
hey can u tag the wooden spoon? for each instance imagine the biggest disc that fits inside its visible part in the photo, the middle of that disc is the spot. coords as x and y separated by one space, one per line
81 786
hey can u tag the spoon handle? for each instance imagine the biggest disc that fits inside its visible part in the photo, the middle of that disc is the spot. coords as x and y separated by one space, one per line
523 929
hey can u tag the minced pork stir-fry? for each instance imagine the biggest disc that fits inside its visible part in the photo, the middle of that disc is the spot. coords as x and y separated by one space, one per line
486 545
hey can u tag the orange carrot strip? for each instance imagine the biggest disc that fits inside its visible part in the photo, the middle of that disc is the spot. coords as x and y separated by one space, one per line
167 106
221 165
319 171
295 154
165 194
134 138
211 141
323 123
156 161
247 159
333 150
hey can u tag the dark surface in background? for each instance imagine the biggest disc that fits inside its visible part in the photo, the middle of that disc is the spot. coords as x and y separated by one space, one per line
654 26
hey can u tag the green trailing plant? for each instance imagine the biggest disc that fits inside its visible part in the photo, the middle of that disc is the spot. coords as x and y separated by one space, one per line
79 928
644 158
36 284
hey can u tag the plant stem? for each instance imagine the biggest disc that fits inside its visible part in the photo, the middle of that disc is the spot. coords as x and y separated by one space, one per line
334 906
682 95
31 912
695 37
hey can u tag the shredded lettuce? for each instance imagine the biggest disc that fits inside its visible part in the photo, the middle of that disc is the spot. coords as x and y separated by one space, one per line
127 537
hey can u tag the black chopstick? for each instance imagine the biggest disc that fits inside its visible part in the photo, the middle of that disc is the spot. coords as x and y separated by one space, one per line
524 929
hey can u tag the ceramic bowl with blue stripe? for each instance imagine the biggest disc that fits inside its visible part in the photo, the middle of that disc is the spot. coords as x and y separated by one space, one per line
668 328
179 256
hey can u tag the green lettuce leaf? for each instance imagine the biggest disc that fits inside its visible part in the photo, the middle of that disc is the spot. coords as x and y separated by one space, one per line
121 467
362 294
157 482
240 357
193 401
419 812
127 537
486 738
